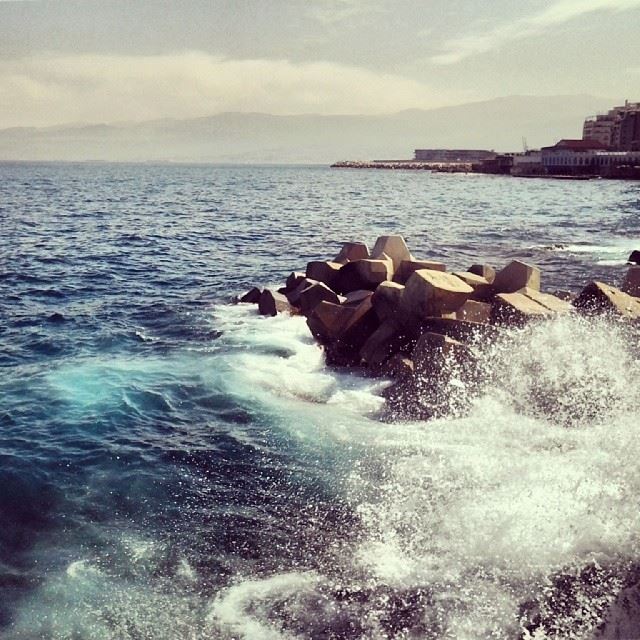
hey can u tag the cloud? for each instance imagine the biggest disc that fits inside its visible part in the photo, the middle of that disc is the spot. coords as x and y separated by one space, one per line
558 13
56 89
334 12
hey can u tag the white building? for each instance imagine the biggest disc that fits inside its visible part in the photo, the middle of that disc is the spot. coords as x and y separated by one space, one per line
528 163
584 157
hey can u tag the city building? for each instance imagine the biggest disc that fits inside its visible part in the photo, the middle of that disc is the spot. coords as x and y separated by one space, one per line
618 128
528 163
628 133
586 157
500 164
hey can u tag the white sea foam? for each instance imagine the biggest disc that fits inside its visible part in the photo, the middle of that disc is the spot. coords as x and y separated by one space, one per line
539 478
611 254
244 610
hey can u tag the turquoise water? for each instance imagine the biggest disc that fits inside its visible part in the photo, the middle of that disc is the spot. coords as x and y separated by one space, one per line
173 466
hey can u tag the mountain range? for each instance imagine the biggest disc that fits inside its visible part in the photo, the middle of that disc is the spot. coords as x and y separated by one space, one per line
499 124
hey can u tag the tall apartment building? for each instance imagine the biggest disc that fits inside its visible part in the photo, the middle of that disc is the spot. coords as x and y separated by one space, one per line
618 128
628 132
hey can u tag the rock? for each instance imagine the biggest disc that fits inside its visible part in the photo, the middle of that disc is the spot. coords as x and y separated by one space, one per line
356 331
294 296
398 366
393 246
474 311
431 293
484 270
598 297
354 298
327 321
314 294
517 309
482 289
272 303
382 344
444 372
363 309
466 331
515 276
564 294
402 400
407 267
293 280
634 257
363 274
386 300
56 318
631 284
252 296
551 302
433 349
352 251
323 271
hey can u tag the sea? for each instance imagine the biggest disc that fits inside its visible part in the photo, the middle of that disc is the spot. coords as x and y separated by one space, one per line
174 466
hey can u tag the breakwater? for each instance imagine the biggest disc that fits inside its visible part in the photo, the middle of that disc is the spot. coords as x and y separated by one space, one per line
407 165
428 329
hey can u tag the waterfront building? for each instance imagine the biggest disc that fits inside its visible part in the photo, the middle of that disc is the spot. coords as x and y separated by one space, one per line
528 163
586 157
500 164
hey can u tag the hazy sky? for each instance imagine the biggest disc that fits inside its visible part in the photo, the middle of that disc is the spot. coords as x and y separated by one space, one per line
103 61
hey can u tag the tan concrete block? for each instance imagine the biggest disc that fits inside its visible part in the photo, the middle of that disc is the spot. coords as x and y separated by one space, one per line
363 274
352 251
475 311
272 303
393 246
482 288
631 284
407 267
551 302
484 270
313 295
386 300
515 276
517 309
601 298
323 271
252 296
327 321
432 293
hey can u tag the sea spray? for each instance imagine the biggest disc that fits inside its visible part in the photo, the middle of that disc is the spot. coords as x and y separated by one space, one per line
468 525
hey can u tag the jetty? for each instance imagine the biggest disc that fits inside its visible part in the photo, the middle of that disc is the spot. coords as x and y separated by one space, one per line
394 315
407 165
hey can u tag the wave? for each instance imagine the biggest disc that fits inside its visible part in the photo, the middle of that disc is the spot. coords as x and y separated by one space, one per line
516 520
613 254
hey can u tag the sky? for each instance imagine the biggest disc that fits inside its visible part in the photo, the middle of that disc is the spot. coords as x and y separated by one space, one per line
94 61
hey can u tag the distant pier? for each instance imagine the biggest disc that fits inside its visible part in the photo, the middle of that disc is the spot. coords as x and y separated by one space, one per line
412 165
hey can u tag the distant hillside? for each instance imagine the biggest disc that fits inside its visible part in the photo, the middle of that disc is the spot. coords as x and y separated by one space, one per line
255 137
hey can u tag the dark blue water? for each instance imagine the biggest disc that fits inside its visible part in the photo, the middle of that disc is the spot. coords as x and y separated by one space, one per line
175 467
